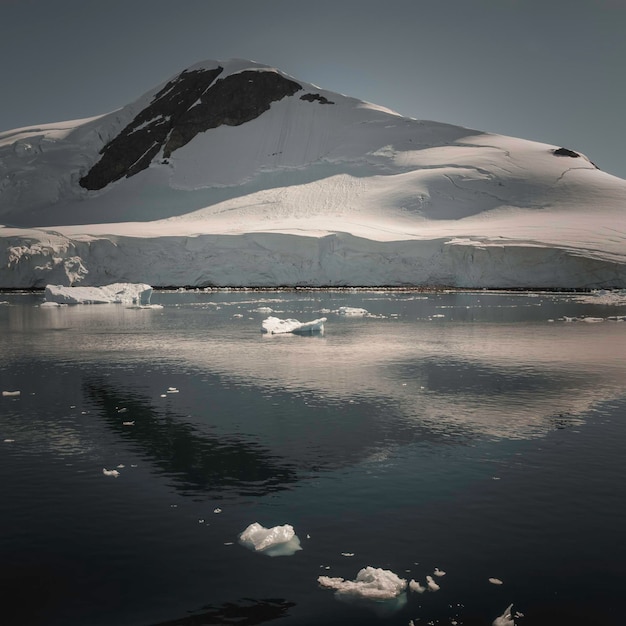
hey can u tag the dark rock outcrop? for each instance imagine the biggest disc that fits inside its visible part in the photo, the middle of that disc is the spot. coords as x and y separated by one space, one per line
565 152
232 101
137 144
316 97
192 103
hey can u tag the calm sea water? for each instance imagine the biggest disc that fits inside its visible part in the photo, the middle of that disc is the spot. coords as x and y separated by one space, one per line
479 433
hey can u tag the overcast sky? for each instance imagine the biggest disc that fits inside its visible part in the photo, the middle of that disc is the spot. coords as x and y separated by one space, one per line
548 70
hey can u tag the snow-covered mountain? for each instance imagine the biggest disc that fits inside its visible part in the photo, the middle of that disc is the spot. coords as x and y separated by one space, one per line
233 173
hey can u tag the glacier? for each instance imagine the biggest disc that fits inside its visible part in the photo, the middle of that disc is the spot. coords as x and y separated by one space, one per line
234 174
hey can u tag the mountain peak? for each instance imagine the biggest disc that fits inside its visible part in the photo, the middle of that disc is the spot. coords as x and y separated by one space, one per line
201 97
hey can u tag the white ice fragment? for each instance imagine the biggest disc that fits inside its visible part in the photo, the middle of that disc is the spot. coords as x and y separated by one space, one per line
348 554
11 394
416 587
173 390
218 510
371 583
495 581
439 572
276 541
264 309
128 423
122 410
432 585
276 326
352 311
125 293
592 320
113 473
9 440
505 619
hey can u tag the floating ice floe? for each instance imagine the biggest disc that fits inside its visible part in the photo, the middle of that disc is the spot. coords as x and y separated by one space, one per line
351 311
113 473
506 619
495 581
416 587
276 541
371 583
276 326
432 585
439 572
11 394
122 293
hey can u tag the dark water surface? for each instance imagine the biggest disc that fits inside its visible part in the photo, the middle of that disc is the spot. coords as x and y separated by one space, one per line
479 433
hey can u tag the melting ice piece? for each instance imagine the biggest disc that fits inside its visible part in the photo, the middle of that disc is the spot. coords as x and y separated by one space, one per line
276 541
416 587
506 619
432 585
11 394
372 583
351 311
495 581
113 473
276 326
439 572
125 293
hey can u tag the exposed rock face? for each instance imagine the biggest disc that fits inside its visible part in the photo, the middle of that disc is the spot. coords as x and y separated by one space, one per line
234 100
134 148
192 103
565 152
316 97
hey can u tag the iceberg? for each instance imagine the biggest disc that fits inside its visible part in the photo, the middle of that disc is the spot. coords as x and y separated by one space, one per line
124 293
371 583
277 326
275 541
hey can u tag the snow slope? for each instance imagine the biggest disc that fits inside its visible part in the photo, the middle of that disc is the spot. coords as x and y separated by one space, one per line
287 184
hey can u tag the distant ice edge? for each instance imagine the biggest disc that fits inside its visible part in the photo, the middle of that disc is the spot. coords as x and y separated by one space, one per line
39 258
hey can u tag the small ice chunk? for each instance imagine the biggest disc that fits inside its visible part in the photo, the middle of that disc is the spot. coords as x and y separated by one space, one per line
432 585
592 320
277 326
505 619
439 572
371 583
352 311
495 581
9 440
275 541
128 423
113 472
264 309
348 554
11 394
218 510
416 587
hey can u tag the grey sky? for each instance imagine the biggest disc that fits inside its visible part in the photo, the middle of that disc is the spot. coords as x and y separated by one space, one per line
548 70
